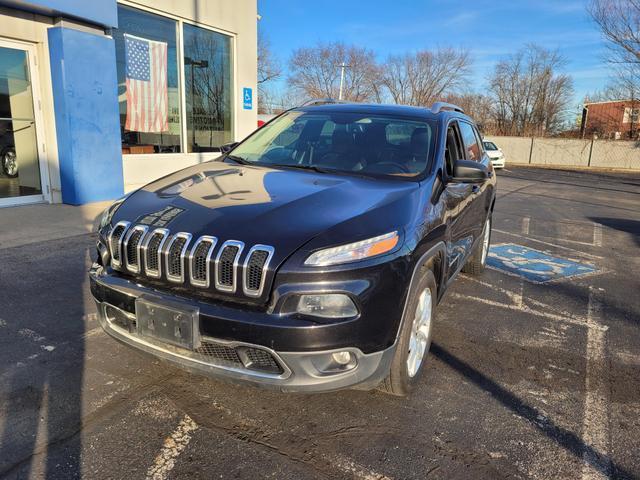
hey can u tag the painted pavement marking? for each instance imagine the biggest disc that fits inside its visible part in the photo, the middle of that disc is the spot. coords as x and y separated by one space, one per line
555 245
597 234
535 265
595 425
173 446
526 221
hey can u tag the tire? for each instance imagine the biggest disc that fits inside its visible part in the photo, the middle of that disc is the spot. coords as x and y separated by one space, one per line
476 263
9 163
415 337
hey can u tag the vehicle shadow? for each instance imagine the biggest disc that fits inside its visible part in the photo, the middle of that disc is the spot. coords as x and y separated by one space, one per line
632 227
42 356
565 438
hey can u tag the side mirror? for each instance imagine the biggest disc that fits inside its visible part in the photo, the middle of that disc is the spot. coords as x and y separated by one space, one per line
227 147
468 171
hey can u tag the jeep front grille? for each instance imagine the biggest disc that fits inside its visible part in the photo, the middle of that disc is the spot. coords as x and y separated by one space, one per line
158 254
132 243
115 243
255 267
152 251
199 261
174 256
227 265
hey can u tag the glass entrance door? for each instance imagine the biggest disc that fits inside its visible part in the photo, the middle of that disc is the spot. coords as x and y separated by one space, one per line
20 175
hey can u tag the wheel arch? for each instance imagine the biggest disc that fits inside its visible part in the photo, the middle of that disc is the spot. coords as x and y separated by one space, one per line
433 256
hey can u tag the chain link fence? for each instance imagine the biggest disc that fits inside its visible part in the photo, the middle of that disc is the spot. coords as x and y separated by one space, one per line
570 152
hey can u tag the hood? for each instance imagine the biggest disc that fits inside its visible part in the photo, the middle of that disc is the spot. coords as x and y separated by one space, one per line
494 153
283 208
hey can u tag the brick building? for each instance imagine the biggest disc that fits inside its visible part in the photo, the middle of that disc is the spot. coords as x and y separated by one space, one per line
615 120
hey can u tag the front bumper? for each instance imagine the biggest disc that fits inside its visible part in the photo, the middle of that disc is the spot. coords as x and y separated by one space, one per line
298 369
498 162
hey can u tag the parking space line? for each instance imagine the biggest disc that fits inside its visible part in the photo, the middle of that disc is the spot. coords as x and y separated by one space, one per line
525 225
597 234
547 243
355 470
595 425
173 446
525 309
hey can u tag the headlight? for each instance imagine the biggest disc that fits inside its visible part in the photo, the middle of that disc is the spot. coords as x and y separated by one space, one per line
354 251
327 305
107 215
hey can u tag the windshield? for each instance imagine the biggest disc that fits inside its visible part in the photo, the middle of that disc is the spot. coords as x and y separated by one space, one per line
490 146
344 142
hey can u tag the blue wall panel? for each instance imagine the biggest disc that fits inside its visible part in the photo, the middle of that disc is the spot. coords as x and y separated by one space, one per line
100 12
83 73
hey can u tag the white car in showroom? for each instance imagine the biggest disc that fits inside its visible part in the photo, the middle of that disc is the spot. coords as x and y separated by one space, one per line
494 153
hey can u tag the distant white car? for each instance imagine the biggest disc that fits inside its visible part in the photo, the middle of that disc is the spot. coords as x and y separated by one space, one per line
495 154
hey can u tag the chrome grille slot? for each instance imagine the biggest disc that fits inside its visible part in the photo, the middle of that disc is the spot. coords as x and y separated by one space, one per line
199 261
152 251
255 269
175 256
115 243
227 265
131 250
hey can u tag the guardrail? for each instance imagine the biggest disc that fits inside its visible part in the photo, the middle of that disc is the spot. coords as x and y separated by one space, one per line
570 152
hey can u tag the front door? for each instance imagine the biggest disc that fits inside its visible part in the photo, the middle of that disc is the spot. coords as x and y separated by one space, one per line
458 199
21 179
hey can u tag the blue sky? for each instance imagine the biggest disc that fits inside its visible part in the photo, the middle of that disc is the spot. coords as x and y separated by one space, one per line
490 30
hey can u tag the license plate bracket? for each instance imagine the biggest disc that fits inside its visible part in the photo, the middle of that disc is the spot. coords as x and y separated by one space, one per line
167 321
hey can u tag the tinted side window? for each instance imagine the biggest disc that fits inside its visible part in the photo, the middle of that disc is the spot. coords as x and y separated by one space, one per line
470 140
479 139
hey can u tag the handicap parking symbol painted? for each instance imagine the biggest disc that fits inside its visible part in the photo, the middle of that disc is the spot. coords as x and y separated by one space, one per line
534 265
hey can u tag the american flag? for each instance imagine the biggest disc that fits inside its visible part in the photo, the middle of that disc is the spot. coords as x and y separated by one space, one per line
146 76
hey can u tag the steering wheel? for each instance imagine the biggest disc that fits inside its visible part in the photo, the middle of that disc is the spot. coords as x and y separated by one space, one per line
394 166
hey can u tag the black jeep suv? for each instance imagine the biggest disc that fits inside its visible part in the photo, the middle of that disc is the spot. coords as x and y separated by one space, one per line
308 257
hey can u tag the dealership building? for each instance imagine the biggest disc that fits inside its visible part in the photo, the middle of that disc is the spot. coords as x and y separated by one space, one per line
100 97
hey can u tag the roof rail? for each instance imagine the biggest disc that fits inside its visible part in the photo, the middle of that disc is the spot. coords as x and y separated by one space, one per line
321 101
439 106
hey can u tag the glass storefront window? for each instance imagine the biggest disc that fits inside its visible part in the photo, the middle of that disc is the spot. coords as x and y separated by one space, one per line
148 82
207 73
19 163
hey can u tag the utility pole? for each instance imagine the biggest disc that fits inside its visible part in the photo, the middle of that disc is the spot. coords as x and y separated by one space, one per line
342 67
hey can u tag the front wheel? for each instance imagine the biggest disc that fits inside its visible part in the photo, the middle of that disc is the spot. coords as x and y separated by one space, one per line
10 163
478 260
415 337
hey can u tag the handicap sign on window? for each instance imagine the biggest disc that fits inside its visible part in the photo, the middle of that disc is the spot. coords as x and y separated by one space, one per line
247 98
534 265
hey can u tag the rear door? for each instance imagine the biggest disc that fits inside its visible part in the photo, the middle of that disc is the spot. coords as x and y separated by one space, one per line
474 150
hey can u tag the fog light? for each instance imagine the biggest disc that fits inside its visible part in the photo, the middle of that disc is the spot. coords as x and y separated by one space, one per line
341 358
333 363
330 305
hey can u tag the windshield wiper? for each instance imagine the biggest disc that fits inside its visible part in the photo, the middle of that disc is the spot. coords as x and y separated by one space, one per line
239 160
304 167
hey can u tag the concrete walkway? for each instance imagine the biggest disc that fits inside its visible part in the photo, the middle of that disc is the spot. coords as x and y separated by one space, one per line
37 223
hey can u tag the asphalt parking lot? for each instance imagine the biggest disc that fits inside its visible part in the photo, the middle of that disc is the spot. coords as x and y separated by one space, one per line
534 371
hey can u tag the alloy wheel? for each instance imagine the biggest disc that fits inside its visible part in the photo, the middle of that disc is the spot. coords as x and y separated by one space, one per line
10 163
420 332
485 240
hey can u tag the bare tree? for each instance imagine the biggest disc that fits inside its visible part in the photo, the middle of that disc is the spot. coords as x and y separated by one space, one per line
619 21
530 95
421 78
478 106
315 72
269 70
